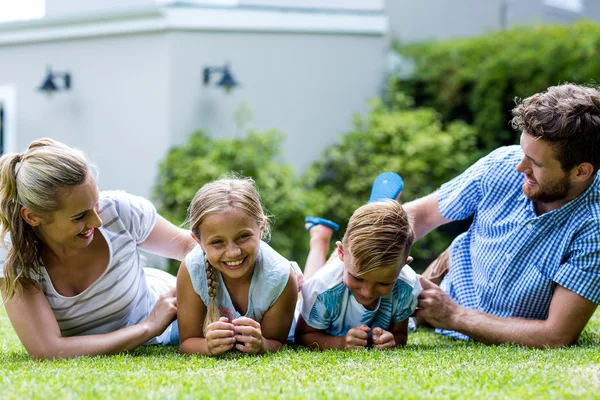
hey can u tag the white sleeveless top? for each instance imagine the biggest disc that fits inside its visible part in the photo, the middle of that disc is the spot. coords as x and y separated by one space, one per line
269 278
126 292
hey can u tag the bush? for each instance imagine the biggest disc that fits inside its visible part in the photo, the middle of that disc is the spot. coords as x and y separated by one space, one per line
203 159
392 138
477 79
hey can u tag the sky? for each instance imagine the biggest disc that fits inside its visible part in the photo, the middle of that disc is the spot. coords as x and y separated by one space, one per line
12 10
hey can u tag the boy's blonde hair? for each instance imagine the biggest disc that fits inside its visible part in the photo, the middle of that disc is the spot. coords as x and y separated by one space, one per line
224 194
379 235
34 180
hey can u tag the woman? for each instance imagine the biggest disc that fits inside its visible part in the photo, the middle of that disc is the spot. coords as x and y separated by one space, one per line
73 282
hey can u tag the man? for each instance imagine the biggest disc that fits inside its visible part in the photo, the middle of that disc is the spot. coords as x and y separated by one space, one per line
528 269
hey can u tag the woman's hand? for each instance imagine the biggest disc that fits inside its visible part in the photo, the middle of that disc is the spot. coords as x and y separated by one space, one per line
220 336
248 332
163 313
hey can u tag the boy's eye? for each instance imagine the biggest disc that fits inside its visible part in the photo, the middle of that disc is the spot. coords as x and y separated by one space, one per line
356 278
385 284
215 242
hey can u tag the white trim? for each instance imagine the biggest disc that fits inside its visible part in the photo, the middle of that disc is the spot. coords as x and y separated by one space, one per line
275 21
356 5
8 99
200 19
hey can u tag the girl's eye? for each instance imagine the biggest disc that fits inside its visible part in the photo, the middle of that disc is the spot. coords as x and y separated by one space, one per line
217 242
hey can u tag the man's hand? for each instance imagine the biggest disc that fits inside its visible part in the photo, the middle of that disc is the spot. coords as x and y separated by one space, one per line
356 338
435 306
383 339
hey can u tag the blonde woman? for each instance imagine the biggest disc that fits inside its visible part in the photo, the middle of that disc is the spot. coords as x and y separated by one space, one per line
233 290
73 281
364 296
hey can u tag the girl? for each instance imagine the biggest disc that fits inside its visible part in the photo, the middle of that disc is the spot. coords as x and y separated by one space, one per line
365 295
73 281
233 289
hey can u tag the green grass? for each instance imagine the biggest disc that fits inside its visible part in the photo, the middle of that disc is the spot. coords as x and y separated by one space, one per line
428 367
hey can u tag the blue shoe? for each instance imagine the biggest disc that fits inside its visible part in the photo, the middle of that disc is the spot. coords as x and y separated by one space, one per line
314 221
386 186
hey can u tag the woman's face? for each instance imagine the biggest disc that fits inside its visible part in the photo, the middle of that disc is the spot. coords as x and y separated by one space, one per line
73 225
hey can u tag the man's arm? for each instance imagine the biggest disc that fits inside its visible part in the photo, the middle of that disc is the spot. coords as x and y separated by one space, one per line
425 215
568 315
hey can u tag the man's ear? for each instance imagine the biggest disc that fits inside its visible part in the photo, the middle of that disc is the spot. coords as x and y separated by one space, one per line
584 171
340 250
29 217
409 260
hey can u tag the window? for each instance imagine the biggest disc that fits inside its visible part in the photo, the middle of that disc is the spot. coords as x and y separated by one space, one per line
574 6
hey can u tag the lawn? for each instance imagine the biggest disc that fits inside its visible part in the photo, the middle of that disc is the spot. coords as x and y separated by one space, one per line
428 367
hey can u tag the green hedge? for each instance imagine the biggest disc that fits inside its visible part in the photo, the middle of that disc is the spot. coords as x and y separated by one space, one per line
392 137
203 159
476 80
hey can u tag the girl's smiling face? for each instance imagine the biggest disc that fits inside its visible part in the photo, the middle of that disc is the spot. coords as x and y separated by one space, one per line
231 241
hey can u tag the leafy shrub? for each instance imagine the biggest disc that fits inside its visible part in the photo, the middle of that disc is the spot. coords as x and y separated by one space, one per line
477 79
411 142
203 159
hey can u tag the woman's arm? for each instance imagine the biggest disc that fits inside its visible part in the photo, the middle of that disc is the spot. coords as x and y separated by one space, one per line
191 312
36 327
169 241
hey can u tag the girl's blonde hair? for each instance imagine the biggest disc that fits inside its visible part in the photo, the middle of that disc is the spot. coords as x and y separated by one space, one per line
33 180
224 194
378 235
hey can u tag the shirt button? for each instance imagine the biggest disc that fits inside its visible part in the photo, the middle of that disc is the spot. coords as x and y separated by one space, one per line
491 285
507 256
529 225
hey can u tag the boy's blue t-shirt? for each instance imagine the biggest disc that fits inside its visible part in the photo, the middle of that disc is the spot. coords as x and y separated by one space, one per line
328 305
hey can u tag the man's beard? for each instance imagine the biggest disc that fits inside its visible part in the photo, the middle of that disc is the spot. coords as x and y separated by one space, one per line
549 192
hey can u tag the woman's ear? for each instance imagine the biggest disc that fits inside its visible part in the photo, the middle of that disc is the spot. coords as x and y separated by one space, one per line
340 250
29 217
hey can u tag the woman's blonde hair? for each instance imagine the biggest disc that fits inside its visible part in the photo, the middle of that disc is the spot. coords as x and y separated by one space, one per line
224 194
378 235
33 180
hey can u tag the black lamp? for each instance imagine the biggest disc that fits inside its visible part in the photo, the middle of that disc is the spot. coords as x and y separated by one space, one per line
49 86
227 81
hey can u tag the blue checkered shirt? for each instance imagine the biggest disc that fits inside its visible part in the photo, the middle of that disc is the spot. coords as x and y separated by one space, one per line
510 260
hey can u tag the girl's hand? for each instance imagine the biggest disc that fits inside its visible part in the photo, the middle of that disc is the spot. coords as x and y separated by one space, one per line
249 334
220 337
356 338
383 339
163 313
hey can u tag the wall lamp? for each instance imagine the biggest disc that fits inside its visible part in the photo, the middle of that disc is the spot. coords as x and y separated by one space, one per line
227 81
49 85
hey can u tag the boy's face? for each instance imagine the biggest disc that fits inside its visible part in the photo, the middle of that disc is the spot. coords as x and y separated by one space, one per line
368 288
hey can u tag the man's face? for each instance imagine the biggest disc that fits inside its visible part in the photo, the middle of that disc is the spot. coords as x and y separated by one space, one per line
545 180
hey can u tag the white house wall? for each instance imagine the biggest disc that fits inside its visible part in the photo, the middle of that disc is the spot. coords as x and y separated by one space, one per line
306 85
117 110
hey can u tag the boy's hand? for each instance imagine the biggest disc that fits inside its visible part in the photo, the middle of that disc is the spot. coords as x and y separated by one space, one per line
249 334
220 337
383 339
356 338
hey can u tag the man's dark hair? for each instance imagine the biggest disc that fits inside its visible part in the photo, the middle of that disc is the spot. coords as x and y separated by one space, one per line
568 117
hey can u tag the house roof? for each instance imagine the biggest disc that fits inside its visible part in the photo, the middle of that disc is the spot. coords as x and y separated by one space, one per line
186 15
